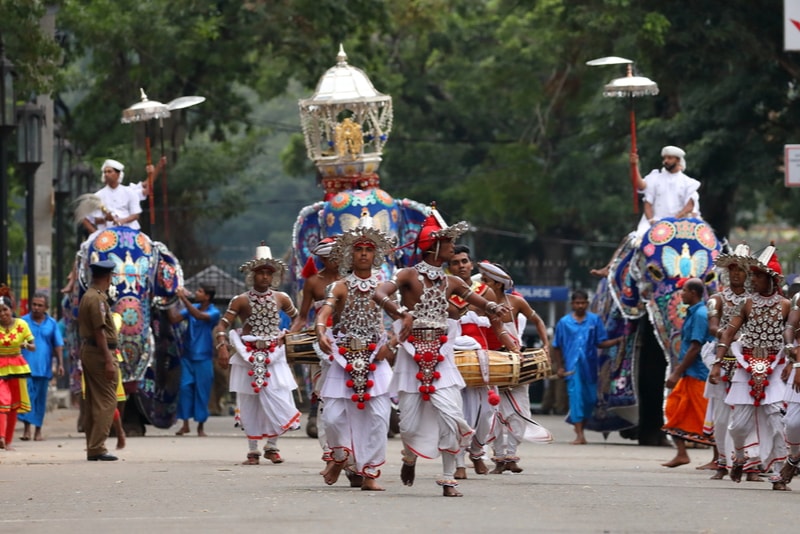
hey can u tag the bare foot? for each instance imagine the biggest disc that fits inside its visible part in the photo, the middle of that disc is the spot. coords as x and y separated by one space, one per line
38 437
25 437
370 484
327 469
183 431
407 473
600 273
333 473
8 447
121 440
710 466
578 441
252 458
752 476
450 491
201 432
480 467
678 460
2 443
719 474
513 467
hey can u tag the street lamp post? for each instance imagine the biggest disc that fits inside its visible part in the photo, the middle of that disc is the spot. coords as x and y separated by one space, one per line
61 189
30 118
7 122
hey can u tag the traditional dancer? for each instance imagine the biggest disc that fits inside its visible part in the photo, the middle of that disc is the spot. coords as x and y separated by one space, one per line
756 392
790 375
260 375
425 375
478 412
721 308
514 410
356 389
685 409
14 370
314 296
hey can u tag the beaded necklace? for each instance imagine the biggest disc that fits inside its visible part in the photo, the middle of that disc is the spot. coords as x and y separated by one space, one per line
264 317
361 318
431 310
765 324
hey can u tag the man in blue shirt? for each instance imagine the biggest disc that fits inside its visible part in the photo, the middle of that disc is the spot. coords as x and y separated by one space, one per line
577 337
685 409
43 360
197 365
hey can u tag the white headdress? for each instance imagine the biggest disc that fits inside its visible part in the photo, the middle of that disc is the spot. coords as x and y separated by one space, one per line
114 164
677 152
492 271
263 258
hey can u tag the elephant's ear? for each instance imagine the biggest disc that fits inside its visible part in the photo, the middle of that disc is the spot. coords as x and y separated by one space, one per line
412 215
306 234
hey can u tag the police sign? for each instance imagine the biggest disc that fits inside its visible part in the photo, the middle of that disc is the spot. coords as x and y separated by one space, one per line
544 293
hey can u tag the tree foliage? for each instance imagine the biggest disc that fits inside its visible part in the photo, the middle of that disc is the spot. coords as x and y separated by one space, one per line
497 116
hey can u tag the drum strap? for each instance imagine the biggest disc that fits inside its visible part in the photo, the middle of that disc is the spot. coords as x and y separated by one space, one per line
483 364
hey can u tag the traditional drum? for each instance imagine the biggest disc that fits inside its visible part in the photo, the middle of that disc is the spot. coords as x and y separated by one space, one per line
534 365
300 347
502 369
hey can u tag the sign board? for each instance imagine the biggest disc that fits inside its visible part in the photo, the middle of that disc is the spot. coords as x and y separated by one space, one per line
544 293
791 165
44 263
791 24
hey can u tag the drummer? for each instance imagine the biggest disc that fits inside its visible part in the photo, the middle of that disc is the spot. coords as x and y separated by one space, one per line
425 374
474 322
314 295
356 390
514 410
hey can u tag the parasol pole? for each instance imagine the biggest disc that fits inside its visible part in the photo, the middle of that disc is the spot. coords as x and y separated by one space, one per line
633 165
164 183
629 86
150 176
143 111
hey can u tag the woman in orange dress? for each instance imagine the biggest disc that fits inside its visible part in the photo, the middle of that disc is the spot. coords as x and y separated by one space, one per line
15 335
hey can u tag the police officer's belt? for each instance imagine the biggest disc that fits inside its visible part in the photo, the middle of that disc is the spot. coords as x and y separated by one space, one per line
93 343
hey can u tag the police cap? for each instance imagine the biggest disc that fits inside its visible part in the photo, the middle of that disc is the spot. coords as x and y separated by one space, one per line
102 268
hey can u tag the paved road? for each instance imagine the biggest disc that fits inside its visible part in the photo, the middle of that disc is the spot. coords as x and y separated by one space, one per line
180 484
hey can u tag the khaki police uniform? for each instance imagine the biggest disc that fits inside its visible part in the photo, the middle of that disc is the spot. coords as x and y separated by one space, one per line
100 392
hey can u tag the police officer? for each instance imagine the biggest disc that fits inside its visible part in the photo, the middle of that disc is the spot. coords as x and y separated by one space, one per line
100 367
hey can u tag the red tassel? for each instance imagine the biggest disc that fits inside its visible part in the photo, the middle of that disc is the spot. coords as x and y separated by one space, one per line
309 269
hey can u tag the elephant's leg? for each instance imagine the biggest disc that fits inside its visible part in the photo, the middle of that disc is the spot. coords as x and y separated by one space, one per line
652 369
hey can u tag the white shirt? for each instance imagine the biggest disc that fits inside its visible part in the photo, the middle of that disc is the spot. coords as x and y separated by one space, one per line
122 202
668 193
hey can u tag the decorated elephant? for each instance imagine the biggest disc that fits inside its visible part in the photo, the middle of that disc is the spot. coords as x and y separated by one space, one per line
399 218
641 301
144 285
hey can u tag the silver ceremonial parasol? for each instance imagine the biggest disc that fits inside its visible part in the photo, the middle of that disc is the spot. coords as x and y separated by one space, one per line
629 86
184 102
144 110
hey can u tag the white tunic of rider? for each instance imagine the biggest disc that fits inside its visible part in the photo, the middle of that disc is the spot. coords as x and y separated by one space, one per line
669 193
122 201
